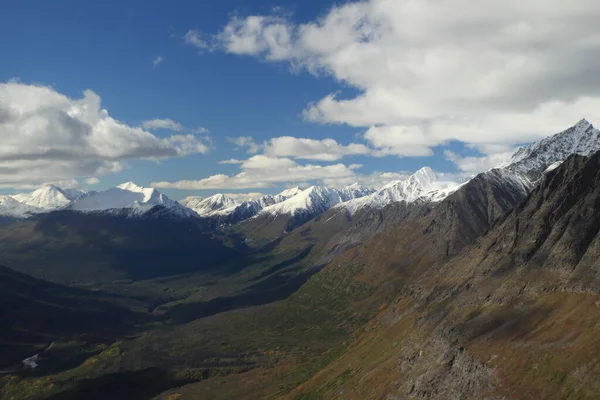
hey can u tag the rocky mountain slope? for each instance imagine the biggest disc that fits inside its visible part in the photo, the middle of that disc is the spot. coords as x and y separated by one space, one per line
511 316
457 214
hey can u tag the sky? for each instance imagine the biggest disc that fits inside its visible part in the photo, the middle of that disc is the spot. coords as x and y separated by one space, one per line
234 96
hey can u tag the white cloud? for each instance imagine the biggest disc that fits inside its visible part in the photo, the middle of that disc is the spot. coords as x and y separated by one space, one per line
165 123
474 165
269 36
92 180
247 142
188 144
194 38
312 149
261 171
485 73
48 137
158 60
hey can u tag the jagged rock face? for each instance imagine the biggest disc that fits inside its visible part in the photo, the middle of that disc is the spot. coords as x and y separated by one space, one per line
533 160
473 209
557 227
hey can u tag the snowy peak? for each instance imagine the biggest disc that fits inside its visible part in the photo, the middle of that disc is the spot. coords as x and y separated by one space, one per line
533 160
355 190
291 192
128 197
9 207
418 185
211 206
48 197
425 176
131 187
316 200
286 194
265 201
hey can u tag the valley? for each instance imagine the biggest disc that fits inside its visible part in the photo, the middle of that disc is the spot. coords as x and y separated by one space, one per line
424 288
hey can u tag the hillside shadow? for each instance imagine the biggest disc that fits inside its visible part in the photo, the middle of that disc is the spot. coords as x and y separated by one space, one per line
130 385
282 265
275 288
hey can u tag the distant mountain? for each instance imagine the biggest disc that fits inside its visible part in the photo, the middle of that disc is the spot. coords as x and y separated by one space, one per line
274 220
454 215
134 199
424 181
226 210
125 199
210 206
286 194
316 200
9 207
50 197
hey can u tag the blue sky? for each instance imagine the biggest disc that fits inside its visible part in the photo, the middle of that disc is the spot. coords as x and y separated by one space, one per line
265 90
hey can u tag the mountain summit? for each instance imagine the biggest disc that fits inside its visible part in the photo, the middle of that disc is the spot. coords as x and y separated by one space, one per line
50 197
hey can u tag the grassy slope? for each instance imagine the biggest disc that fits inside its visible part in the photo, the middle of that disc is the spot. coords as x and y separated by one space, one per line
513 316
178 346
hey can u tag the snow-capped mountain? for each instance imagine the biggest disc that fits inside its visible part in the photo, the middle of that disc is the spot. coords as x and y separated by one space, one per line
316 200
50 197
520 173
268 200
424 181
129 197
230 211
286 194
210 206
531 162
9 207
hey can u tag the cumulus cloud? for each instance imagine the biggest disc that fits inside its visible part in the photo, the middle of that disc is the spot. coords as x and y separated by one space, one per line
473 165
158 60
165 123
48 137
245 142
312 149
262 171
485 73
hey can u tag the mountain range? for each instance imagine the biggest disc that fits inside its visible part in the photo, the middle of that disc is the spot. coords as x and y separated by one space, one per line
523 170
